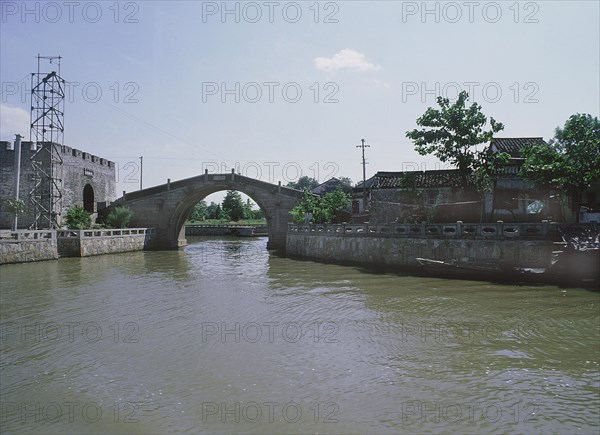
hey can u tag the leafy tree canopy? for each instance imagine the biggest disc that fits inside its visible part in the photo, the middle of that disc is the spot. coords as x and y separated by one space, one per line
346 180
199 212
78 219
571 161
304 183
119 217
451 132
323 210
233 205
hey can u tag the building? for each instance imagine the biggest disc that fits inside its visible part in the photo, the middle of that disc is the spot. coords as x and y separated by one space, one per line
83 180
441 195
330 186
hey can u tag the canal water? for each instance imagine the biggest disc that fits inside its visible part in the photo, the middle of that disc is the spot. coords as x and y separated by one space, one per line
222 337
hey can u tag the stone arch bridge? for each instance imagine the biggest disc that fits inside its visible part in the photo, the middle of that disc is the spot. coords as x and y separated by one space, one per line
167 207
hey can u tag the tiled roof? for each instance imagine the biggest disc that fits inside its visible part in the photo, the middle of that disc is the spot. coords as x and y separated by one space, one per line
513 145
329 186
417 179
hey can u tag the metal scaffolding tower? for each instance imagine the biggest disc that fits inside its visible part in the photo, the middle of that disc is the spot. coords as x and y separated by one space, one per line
46 135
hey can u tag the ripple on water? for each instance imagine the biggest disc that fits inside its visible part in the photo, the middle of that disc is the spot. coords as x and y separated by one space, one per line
374 344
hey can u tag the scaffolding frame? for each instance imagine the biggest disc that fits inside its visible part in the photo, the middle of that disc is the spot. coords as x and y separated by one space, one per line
46 134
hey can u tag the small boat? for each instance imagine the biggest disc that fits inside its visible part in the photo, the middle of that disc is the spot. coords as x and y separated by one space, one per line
481 271
242 231
455 266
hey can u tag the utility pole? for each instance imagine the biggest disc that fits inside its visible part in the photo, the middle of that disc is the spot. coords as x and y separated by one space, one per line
141 170
363 146
17 148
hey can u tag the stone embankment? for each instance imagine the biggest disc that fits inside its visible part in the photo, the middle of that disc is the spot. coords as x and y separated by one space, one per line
24 246
85 243
223 230
519 245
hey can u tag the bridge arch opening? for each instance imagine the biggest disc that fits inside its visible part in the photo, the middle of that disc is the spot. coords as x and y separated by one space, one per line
189 207
227 206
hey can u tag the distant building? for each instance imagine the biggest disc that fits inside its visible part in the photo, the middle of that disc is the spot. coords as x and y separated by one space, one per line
86 181
330 186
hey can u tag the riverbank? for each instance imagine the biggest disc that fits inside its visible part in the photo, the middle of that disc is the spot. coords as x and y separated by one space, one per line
244 230
497 252
24 246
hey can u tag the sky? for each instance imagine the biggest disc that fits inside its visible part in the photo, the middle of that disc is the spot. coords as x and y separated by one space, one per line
281 89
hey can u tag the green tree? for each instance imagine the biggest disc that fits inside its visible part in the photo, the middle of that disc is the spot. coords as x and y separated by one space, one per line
249 212
303 183
571 162
233 205
78 219
334 202
199 212
16 206
346 180
323 210
119 217
451 132
213 211
258 214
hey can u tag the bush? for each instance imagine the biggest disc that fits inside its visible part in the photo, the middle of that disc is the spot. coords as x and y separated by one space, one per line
119 217
16 206
78 219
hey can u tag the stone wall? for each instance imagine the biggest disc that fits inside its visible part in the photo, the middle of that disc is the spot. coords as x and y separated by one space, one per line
507 244
25 246
85 243
78 169
220 230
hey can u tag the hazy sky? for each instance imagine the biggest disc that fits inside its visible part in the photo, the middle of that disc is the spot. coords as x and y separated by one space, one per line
283 89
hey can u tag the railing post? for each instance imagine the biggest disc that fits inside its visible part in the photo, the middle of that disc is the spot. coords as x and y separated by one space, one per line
459 228
544 227
232 174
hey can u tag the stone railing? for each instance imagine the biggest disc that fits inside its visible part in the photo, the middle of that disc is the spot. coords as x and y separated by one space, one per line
459 229
27 245
84 243
102 233
222 225
26 235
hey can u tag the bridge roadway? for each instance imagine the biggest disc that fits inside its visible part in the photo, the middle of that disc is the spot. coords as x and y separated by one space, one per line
166 207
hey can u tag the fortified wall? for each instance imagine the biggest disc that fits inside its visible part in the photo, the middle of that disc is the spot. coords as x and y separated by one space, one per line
88 181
